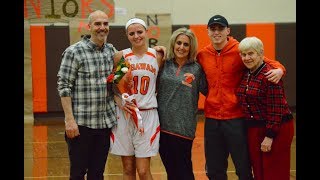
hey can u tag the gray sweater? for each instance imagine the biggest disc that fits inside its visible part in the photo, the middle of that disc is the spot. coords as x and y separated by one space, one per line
178 97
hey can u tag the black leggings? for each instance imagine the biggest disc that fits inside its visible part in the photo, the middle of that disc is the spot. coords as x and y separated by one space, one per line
175 153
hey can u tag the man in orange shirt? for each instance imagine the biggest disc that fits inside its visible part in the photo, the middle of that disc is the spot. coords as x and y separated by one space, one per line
224 130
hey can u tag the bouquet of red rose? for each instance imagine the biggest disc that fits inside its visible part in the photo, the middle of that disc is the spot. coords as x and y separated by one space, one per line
122 79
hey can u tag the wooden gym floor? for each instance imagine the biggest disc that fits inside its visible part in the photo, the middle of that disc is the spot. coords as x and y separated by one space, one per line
45 154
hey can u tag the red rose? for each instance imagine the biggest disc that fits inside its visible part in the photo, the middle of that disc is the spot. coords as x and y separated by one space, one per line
110 78
188 79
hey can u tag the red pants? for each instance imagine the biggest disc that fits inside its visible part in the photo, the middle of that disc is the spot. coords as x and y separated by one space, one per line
273 165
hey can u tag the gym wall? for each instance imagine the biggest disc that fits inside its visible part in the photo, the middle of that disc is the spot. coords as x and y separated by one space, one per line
45 39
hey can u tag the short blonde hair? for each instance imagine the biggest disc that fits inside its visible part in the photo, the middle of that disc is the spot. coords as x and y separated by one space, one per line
193 43
251 43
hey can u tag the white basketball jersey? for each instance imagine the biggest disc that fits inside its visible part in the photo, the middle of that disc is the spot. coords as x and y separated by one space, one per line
144 72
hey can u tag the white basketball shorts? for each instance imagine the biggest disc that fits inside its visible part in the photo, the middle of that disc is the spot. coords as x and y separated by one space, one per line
125 139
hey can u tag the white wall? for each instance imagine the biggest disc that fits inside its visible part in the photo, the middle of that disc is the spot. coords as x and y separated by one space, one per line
199 11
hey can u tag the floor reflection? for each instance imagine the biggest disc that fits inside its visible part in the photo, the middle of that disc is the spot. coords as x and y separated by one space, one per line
45 154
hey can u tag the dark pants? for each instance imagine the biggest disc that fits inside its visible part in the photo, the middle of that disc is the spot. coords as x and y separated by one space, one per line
175 153
222 137
88 153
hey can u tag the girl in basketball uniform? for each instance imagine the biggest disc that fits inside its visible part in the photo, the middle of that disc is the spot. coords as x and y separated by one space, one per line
136 148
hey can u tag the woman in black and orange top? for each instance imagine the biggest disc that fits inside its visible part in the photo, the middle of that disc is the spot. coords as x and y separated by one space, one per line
269 120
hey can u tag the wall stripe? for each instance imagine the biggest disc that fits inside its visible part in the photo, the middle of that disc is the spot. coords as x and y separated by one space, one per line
39 71
238 31
57 40
286 54
175 27
203 40
265 32
117 36
202 35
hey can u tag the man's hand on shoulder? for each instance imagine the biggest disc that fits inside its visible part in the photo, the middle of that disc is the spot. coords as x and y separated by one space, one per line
274 75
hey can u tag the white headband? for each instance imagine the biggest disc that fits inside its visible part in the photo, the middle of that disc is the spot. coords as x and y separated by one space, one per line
136 20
